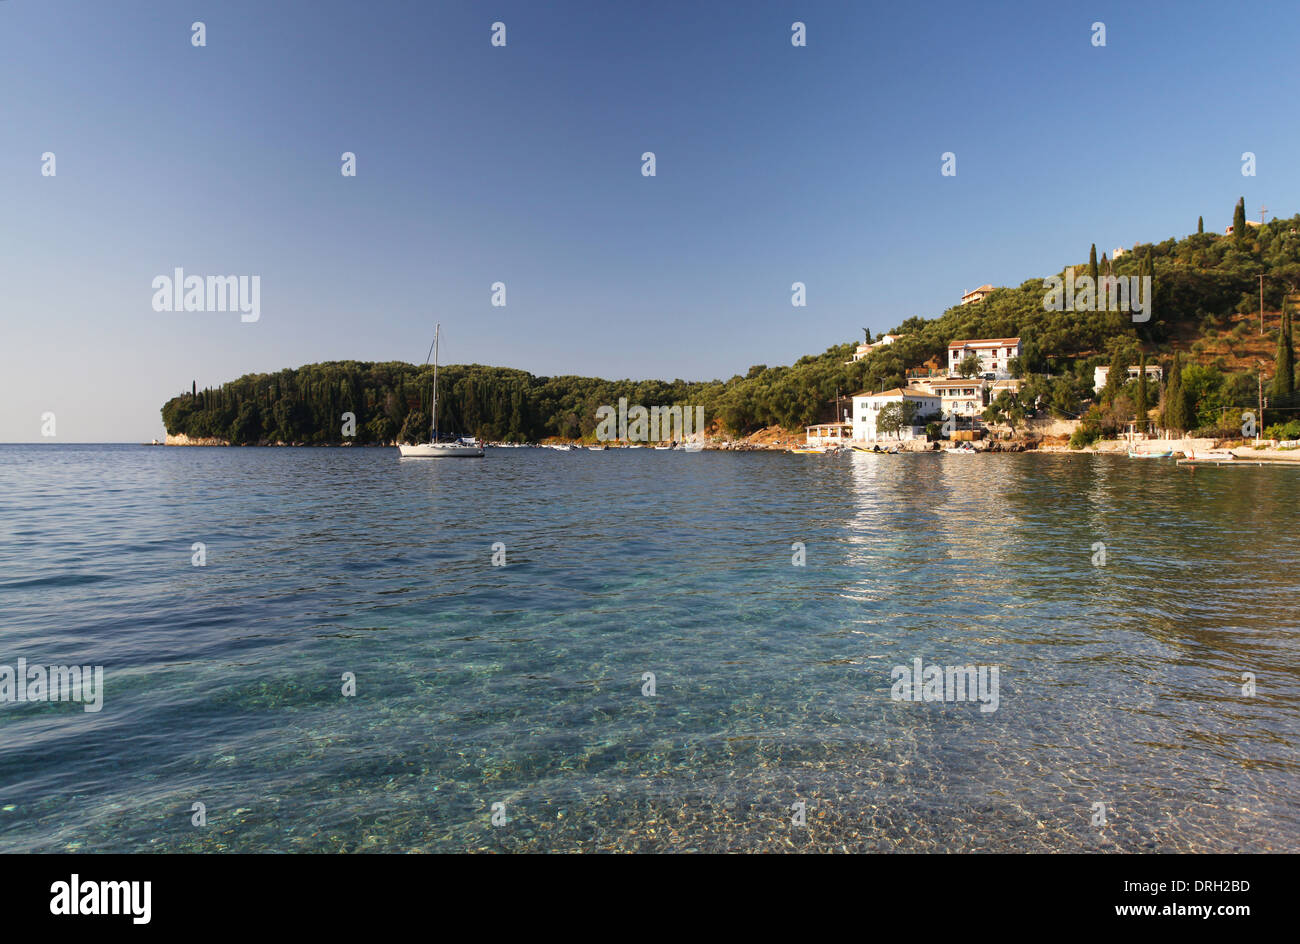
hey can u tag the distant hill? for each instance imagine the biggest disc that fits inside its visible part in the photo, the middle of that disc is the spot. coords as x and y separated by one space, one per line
1206 294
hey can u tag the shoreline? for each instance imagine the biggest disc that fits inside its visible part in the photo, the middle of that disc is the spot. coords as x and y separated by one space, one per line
1113 447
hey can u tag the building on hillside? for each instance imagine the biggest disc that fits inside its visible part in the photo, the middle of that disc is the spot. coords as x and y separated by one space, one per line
961 397
917 375
1100 374
829 434
1007 385
867 407
865 349
976 295
1228 231
994 355
1120 251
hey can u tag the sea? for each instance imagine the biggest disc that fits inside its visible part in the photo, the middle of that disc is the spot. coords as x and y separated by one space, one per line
339 650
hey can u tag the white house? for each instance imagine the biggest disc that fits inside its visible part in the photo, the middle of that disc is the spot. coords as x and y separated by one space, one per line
865 349
1100 374
960 397
828 434
976 295
994 355
867 407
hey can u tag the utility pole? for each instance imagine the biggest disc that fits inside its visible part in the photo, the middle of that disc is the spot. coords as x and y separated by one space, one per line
1262 211
1259 377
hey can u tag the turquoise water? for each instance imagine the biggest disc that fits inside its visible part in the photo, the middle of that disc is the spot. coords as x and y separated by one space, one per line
522 685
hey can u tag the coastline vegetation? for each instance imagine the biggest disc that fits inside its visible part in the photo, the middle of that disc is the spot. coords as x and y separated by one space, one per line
1201 283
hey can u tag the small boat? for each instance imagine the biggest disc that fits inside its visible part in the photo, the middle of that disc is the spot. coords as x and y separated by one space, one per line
965 449
808 450
1150 455
1209 455
664 448
694 447
597 448
463 447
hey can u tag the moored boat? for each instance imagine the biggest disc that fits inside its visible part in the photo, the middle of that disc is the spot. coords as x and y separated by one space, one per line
1209 455
462 447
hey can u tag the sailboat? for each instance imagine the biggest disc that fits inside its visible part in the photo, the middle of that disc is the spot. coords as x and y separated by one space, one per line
460 448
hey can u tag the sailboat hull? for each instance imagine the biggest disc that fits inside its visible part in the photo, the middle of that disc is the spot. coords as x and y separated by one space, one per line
441 451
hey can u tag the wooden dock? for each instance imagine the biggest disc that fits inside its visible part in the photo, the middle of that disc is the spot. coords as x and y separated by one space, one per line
1241 461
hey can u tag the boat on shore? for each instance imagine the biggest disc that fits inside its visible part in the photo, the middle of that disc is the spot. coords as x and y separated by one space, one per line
965 449
1132 454
461 447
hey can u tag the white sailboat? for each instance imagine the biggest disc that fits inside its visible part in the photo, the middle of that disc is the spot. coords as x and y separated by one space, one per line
463 447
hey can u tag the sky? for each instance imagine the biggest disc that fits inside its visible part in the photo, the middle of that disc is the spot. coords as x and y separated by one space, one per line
522 164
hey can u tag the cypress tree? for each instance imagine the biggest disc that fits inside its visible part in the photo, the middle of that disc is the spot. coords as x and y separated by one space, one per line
1150 266
1239 220
1140 400
1092 263
1116 377
1180 396
1284 363
1175 398
1200 225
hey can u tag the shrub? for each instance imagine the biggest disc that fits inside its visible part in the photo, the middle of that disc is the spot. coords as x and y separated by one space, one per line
1083 437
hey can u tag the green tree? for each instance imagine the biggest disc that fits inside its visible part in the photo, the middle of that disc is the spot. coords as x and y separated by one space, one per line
1005 408
1284 363
969 366
246 429
416 428
1117 376
1175 411
1140 401
895 417
1092 263
1239 220
1200 226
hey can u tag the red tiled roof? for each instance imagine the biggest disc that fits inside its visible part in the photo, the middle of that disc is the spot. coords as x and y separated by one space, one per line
892 393
984 342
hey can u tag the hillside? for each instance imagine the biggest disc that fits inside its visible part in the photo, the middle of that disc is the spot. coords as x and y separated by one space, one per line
1206 300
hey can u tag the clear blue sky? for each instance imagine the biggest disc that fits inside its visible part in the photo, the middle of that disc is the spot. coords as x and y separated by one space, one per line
522 164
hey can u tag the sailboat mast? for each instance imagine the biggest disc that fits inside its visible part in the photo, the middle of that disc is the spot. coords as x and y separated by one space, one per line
434 433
